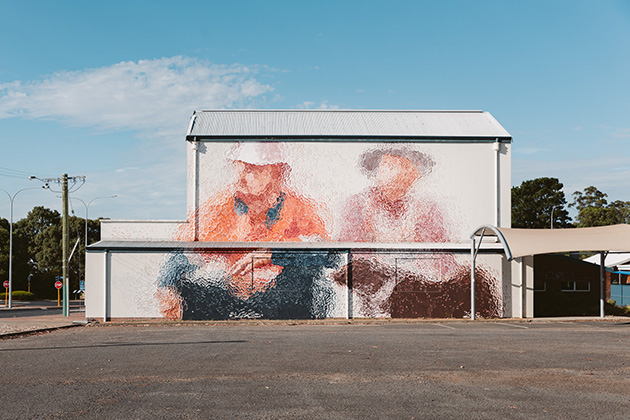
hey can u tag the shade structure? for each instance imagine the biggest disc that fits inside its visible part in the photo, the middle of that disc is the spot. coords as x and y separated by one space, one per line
522 242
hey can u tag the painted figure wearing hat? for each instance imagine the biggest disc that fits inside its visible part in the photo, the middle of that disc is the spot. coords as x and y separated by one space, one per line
258 207
389 211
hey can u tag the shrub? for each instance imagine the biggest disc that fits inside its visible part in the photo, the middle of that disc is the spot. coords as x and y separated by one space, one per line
611 308
18 295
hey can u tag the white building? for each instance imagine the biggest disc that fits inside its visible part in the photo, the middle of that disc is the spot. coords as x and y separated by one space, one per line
332 213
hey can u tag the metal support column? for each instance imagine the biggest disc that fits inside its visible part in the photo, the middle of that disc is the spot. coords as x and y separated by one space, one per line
473 255
105 281
601 283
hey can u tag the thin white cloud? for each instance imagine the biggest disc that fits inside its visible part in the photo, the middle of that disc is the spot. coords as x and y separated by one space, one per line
312 105
147 95
154 99
326 105
622 133
528 150
129 168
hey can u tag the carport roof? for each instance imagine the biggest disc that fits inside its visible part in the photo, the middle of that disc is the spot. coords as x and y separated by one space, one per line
522 242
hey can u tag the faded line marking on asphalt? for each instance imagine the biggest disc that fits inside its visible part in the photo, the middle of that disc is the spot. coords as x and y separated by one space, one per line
445 326
597 327
569 324
517 326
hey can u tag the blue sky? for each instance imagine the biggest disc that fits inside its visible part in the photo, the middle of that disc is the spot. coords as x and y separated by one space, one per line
105 89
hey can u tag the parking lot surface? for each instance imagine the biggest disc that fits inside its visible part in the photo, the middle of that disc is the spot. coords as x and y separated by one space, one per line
425 370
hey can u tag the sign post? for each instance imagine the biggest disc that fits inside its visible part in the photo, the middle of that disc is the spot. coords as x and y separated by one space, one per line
6 292
58 285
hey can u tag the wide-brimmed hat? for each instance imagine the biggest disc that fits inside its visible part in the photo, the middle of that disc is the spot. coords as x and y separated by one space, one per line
371 159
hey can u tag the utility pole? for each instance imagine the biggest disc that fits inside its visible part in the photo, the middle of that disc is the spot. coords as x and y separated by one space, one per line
65 190
64 244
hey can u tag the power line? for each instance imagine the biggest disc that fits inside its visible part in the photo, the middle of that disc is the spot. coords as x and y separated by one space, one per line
12 176
15 172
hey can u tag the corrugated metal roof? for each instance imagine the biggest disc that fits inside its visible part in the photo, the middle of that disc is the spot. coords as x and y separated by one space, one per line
322 124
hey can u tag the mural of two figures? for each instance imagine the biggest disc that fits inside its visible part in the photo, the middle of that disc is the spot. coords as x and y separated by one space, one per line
262 202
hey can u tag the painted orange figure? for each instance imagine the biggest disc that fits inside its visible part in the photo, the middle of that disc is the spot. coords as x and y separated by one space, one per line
258 207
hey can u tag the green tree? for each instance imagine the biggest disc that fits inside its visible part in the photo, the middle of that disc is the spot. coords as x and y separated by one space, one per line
49 253
535 200
37 250
594 210
25 250
4 249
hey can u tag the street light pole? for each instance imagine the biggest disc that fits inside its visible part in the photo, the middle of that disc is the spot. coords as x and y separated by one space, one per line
11 200
552 209
87 208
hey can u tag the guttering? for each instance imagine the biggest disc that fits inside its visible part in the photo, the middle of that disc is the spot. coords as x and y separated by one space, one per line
357 247
191 124
343 138
497 178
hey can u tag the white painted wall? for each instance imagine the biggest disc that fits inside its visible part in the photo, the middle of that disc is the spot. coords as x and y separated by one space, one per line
463 179
131 285
139 230
95 284
463 182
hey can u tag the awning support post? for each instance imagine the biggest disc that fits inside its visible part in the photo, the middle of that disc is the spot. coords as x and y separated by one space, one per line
473 257
472 278
601 283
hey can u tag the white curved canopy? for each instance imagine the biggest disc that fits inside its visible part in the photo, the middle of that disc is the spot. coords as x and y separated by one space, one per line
522 242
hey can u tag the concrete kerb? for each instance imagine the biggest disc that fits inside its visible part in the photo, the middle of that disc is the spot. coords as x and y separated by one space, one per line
64 323
344 321
37 318
24 333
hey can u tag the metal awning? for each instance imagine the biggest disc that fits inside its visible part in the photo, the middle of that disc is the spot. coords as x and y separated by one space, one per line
524 242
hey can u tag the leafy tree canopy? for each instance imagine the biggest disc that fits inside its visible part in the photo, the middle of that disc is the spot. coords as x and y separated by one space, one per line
37 249
534 201
594 210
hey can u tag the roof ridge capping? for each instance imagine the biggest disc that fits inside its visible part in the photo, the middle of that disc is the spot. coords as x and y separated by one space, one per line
443 111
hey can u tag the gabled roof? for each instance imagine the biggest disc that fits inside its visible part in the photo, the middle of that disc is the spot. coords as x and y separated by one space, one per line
345 124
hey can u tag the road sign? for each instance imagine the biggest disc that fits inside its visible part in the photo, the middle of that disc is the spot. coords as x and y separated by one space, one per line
58 284
82 285
6 284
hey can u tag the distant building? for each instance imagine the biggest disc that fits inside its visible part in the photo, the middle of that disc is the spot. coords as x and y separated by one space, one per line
565 286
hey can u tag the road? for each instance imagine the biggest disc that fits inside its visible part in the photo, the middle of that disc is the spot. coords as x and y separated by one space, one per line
485 370
39 308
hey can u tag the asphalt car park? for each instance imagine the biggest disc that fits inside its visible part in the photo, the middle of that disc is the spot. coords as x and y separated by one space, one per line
549 369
